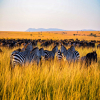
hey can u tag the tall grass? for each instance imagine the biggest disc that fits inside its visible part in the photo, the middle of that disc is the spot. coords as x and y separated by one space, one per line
52 80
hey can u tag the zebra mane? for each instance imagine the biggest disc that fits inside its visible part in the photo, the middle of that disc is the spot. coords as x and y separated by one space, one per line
35 52
55 49
18 50
64 50
64 47
34 49
72 48
28 46
41 49
42 52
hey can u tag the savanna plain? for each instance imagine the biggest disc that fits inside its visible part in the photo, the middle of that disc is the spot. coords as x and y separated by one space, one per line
50 80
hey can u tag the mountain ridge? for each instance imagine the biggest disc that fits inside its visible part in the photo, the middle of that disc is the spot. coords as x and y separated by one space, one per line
43 29
54 29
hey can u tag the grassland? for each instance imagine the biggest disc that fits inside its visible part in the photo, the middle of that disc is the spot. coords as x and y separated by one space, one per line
51 35
51 80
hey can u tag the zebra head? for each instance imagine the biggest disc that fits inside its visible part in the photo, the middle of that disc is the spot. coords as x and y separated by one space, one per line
55 49
72 48
59 55
63 49
28 47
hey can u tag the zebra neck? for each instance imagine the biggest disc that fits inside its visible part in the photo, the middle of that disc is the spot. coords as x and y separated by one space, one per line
65 52
54 51
26 52
69 52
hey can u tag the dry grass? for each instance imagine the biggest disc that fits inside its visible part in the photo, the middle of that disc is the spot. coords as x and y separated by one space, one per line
49 81
52 80
51 35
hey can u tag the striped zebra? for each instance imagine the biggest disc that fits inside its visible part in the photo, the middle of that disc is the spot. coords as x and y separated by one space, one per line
16 51
50 54
19 57
42 52
59 55
35 55
70 54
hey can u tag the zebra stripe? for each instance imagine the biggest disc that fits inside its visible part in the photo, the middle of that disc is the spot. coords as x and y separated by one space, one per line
50 54
72 48
20 57
59 55
70 54
46 55
34 55
76 55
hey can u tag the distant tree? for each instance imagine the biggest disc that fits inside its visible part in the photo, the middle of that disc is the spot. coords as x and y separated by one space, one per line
74 34
91 33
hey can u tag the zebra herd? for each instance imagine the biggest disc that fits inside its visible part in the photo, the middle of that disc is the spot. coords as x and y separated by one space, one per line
70 54
28 54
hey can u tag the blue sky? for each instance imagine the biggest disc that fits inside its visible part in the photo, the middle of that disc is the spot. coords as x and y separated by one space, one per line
19 15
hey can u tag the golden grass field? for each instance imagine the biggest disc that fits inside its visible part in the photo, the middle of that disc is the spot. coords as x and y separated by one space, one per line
50 35
52 80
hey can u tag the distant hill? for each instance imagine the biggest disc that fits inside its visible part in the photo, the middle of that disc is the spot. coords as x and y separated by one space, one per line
88 30
42 29
54 29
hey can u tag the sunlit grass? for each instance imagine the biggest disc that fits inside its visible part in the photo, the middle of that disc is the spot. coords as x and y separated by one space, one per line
51 80
54 35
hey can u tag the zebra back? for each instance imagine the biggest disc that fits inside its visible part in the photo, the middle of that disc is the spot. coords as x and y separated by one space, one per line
17 59
70 54
20 57
50 54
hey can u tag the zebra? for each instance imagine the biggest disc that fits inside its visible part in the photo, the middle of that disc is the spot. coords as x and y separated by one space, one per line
72 48
19 57
70 54
50 54
59 55
16 51
35 55
42 52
